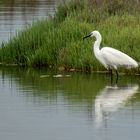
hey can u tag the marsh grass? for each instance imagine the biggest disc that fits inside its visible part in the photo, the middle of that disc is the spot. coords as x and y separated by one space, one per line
58 41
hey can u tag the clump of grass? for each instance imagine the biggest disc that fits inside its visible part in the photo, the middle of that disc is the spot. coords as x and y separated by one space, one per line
58 41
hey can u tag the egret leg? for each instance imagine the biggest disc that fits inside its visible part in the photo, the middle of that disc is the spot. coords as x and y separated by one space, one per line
117 76
111 74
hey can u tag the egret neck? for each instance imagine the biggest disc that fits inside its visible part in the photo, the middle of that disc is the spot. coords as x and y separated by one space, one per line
97 43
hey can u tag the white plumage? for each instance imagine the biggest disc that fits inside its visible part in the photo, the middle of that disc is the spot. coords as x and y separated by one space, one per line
113 58
109 57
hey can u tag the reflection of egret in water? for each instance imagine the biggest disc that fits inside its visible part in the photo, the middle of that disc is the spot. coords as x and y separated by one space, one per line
110 99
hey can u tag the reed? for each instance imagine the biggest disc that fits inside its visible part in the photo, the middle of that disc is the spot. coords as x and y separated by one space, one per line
58 41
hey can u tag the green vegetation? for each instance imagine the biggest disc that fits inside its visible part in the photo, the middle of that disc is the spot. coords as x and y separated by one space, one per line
57 42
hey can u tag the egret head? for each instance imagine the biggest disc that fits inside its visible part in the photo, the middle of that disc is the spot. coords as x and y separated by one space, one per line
93 33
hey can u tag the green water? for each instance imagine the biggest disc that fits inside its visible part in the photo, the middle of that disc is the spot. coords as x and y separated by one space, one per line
52 105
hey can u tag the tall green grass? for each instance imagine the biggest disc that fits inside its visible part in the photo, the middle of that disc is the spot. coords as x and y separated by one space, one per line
58 41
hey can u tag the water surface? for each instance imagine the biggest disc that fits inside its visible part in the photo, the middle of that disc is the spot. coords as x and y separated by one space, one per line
46 104
15 15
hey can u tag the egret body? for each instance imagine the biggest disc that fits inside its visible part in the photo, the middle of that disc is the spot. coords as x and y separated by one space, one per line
110 57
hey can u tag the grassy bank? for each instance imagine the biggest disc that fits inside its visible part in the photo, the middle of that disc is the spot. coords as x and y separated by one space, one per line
58 41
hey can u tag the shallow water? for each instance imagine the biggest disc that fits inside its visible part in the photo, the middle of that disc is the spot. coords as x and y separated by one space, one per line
17 14
46 104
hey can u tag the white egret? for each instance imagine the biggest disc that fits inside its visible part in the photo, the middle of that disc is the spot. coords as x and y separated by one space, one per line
110 57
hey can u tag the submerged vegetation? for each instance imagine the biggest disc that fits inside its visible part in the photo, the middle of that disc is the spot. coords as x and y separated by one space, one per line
57 42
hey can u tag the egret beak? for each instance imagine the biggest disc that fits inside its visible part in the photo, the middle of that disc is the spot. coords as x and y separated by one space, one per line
87 36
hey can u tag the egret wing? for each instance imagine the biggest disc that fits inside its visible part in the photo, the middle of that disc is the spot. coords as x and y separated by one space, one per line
115 58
